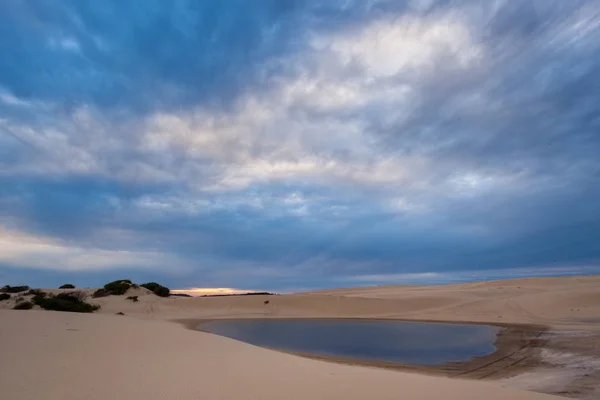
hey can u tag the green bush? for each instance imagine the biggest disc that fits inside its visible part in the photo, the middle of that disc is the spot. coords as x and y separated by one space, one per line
118 287
38 299
4 296
157 289
78 295
100 293
13 289
24 305
34 292
69 302
67 286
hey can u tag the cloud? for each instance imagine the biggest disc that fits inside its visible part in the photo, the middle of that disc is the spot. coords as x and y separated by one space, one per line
292 130
67 44
386 48
469 276
26 251
294 145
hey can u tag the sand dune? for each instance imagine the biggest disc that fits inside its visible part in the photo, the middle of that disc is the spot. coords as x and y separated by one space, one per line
144 355
70 356
562 303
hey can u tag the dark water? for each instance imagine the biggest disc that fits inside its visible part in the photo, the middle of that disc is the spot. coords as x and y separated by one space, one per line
419 343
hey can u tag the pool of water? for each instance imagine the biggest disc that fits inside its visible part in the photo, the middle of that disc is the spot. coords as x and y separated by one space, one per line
419 343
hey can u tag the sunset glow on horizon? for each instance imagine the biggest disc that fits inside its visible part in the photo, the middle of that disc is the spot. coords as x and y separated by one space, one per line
210 291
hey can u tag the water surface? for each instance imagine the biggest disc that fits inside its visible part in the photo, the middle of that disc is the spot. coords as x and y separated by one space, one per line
419 343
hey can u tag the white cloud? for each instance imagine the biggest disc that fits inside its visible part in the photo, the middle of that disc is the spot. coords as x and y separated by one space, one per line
324 94
82 142
9 99
386 48
27 251
580 31
290 131
55 143
310 127
264 140
65 43
405 206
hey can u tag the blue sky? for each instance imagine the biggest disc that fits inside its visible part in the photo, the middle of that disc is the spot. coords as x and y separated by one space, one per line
289 144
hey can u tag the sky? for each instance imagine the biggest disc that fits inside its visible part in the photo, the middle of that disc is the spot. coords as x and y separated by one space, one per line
289 145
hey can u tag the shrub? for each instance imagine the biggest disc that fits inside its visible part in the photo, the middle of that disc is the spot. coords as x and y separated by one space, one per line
133 298
67 286
118 287
4 296
79 295
100 293
34 292
69 302
24 305
38 299
157 289
13 289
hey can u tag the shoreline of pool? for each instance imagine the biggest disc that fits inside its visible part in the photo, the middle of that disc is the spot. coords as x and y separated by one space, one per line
517 348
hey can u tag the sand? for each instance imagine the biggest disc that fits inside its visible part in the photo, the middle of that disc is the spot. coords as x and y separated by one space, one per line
146 354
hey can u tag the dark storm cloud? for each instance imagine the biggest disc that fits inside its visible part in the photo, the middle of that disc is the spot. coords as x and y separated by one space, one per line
298 144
